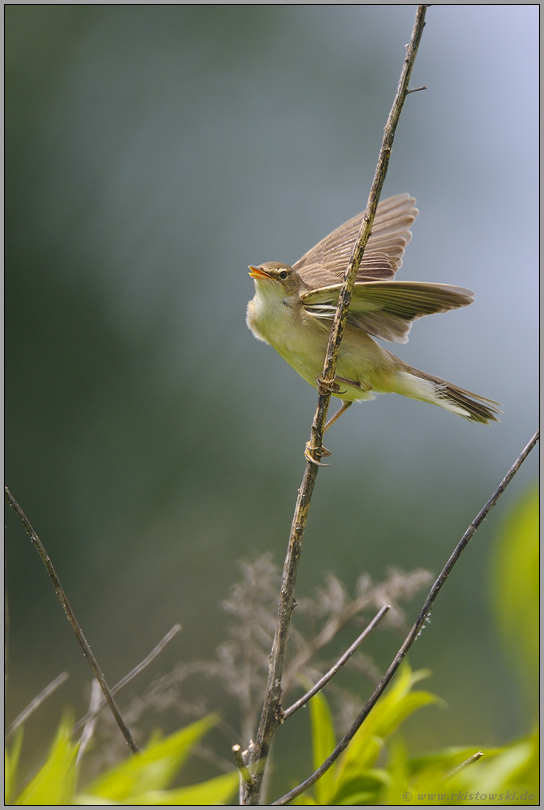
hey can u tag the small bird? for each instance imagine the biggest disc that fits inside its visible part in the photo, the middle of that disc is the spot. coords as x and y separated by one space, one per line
294 307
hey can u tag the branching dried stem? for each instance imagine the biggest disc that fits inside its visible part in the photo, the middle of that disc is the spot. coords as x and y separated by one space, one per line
87 652
271 715
253 602
397 585
338 666
416 629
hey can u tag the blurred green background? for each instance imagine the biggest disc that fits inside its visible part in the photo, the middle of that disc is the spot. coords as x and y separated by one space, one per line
152 153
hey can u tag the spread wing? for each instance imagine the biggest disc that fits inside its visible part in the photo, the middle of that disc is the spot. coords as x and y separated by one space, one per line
386 309
325 263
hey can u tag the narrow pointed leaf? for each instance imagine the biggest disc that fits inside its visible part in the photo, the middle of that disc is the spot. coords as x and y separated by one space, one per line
55 781
11 757
215 791
323 744
154 768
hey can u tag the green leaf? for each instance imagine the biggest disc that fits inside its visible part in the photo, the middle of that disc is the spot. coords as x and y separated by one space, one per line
366 788
214 791
515 768
323 743
503 776
154 768
11 763
359 798
527 774
391 710
515 585
398 772
55 781
446 760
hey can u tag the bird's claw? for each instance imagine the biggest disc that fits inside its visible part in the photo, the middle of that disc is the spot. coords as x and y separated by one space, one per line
327 386
308 454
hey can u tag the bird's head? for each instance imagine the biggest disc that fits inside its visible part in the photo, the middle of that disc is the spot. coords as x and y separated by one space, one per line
276 280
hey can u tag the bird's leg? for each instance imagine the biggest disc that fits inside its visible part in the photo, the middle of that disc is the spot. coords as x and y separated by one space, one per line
329 387
337 415
324 452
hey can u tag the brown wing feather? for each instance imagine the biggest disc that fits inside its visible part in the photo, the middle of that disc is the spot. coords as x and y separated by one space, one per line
325 263
386 309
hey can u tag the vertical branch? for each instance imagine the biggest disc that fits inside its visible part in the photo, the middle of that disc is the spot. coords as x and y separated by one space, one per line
344 299
272 713
416 629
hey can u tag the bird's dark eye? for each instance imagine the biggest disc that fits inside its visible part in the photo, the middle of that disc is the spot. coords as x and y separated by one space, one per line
283 275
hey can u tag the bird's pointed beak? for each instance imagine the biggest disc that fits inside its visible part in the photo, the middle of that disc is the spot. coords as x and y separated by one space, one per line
258 272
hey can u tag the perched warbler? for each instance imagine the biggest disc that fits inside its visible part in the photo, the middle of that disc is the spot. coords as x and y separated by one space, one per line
293 309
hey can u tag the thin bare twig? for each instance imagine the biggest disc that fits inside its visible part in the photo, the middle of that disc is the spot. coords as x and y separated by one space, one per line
242 767
38 700
87 652
131 675
338 666
416 629
470 761
95 704
271 714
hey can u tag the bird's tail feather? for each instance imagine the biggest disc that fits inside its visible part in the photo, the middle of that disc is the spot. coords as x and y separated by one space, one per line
440 392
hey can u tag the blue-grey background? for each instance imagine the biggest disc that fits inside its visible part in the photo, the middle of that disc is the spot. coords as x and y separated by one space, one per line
152 153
